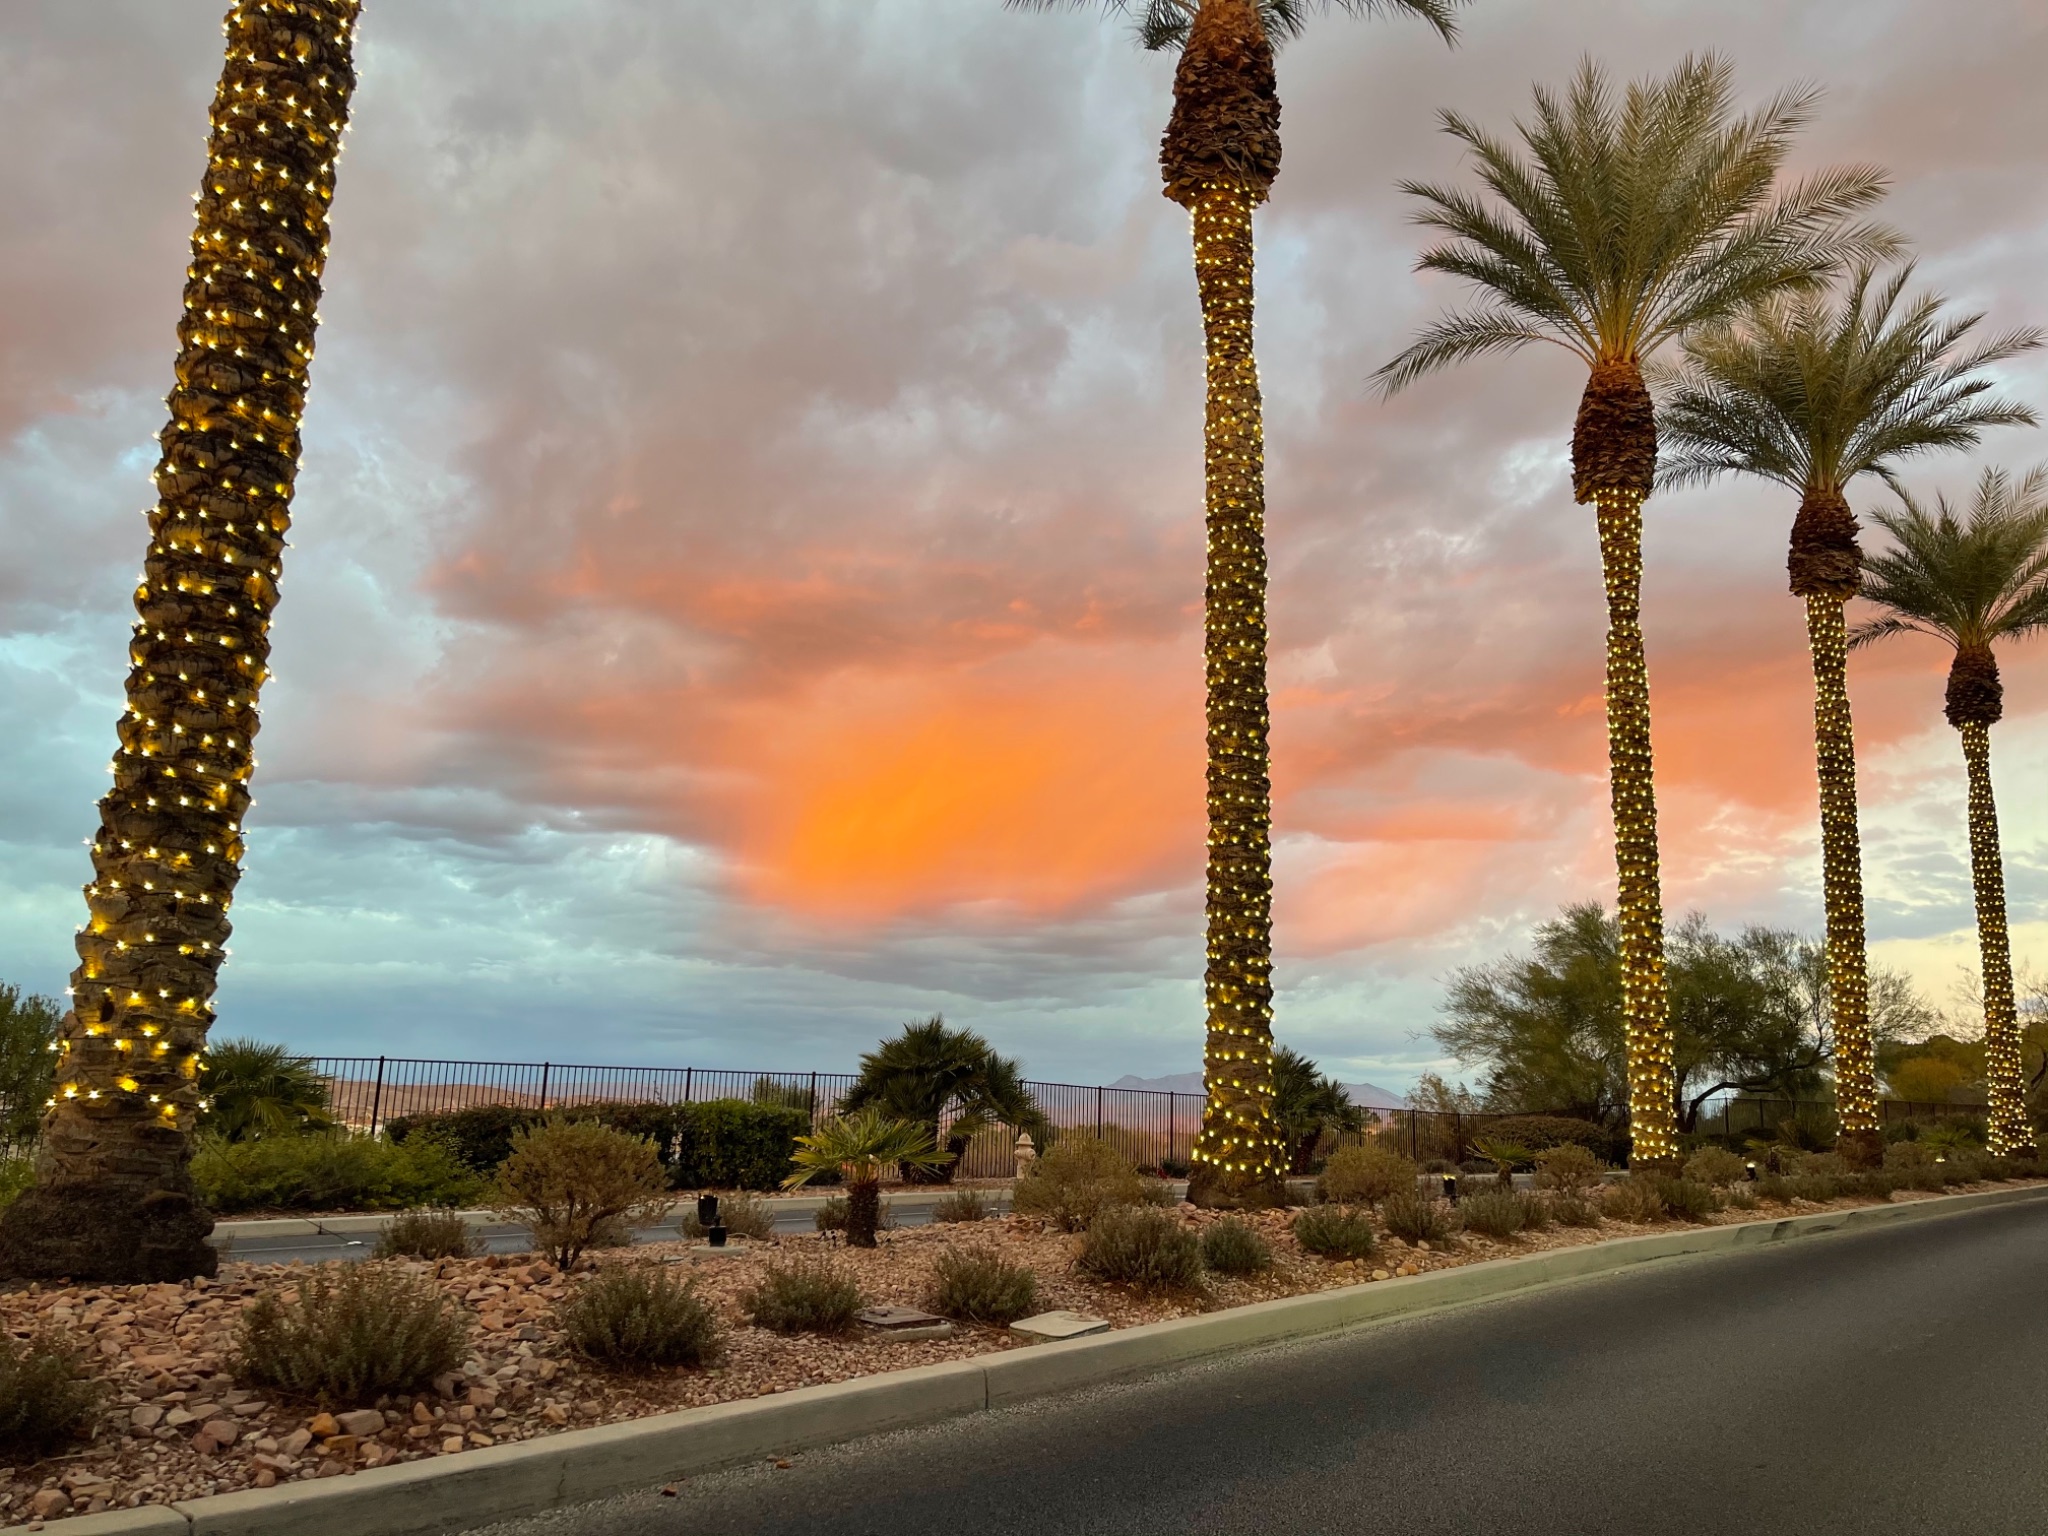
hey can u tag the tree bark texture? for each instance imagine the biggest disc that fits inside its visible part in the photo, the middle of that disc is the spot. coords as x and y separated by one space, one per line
1614 464
863 1212
112 1199
2010 1130
1842 881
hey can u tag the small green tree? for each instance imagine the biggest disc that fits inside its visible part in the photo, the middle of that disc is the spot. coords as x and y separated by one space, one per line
254 1089
929 1071
28 1064
861 1147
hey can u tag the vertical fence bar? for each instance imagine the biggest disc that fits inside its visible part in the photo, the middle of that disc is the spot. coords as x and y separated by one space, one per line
377 1097
544 1068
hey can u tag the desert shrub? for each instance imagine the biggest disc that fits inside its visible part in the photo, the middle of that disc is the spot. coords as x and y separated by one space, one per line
735 1144
1567 1168
331 1170
636 1317
1635 1199
1823 1187
577 1184
1818 1165
803 1296
1904 1156
962 1205
1576 1210
1687 1199
1876 1184
480 1137
46 1396
1364 1175
1076 1181
2000 1169
1416 1217
1540 1133
1493 1213
428 1235
1774 1186
1135 1245
349 1335
833 1215
1336 1231
1715 1167
741 1215
1232 1247
978 1285
1535 1211
1741 1196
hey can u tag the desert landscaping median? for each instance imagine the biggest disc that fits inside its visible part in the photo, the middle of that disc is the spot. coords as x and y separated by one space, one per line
505 1481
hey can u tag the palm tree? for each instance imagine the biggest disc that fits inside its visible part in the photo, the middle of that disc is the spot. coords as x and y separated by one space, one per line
1974 581
861 1148
1629 223
255 1090
1219 158
930 1069
1811 391
1308 1103
112 1199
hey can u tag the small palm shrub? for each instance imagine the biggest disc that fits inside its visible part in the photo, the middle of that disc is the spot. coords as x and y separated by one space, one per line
1716 1167
1493 1213
634 1317
1232 1247
962 1205
254 1089
1636 1199
1568 1170
803 1297
1335 1231
1416 1217
350 1335
1364 1175
1077 1179
741 1215
46 1397
1687 1199
1140 1246
426 1234
860 1149
1504 1157
577 1185
981 1286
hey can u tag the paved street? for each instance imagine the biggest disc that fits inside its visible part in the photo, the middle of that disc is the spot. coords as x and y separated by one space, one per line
1893 1381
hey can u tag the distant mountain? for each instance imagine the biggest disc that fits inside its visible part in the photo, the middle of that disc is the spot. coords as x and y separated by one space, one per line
1364 1095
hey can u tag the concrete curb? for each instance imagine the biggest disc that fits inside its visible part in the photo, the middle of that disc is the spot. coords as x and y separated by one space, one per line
504 1482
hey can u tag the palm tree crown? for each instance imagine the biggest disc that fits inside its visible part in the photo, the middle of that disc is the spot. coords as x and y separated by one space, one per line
1164 24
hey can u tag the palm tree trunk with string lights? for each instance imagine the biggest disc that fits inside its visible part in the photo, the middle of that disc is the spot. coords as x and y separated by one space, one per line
1826 567
112 1199
1976 702
1219 157
1614 463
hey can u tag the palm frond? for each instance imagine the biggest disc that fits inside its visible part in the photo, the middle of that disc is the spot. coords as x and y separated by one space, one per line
1457 336
863 1146
1972 577
1164 24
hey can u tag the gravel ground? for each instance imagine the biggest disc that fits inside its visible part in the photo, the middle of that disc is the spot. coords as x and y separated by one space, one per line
176 1424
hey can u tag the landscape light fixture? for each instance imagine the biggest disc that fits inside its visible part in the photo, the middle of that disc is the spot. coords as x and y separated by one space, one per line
1451 1188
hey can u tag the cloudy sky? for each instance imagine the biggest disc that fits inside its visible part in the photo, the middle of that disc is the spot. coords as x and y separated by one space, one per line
745 587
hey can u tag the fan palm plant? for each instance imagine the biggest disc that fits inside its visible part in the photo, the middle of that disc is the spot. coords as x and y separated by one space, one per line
113 1195
861 1148
1219 158
928 1070
1974 580
1632 219
1812 390
255 1090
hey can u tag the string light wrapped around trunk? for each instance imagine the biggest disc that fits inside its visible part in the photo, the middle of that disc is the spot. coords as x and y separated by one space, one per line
2009 1129
112 1195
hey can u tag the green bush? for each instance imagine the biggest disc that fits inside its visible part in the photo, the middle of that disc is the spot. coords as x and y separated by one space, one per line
1576 1210
1337 1231
46 1396
1775 1187
330 1170
1637 1198
833 1215
1364 1175
577 1185
962 1205
634 1317
1715 1167
1078 1179
980 1286
1497 1213
428 1235
741 1215
1568 1168
803 1296
1687 1199
1542 1132
349 1335
480 1137
1904 1156
1232 1247
1416 1217
1141 1246
735 1144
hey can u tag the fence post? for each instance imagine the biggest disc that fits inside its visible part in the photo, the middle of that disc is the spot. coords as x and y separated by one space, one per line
377 1097
544 1066
1412 1153
689 1075
1098 1111
814 1100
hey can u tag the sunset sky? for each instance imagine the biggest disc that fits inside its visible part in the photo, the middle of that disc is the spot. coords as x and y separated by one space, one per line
745 585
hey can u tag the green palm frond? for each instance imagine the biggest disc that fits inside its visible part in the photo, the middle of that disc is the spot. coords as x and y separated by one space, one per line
1812 389
861 1147
1164 24
1618 220
1968 578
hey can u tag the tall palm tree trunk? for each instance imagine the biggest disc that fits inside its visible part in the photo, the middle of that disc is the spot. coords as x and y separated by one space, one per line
2009 1130
1614 461
112 1198
1841 846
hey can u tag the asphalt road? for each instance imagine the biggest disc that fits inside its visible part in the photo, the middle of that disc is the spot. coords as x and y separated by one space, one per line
1893 1381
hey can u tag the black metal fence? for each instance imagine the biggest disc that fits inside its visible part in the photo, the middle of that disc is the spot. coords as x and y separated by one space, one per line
1152 1128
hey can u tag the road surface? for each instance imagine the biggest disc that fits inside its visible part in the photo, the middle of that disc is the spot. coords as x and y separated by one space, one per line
1890 1382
